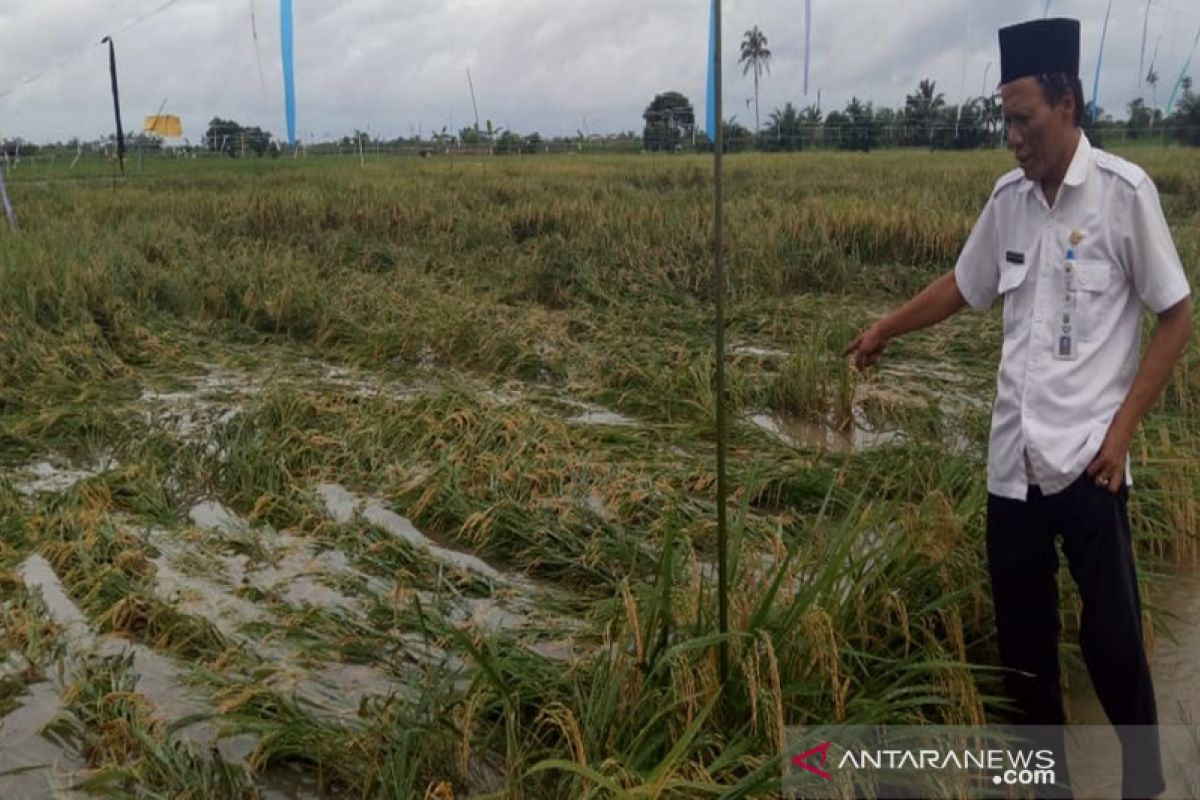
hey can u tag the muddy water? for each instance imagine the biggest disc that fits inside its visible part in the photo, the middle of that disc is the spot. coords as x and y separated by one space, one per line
211 515
203 597
37 573
592 414
209 401
23 745
894 387
513 608
761 353
602 417
289 783
46 477
158 678
297 577
1174 662
342 506
356 382
21 741
804 434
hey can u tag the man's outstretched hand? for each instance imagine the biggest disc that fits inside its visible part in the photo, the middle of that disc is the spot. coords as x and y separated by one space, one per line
935 303
866 348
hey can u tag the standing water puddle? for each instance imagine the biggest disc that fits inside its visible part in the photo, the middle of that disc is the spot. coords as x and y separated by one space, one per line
602 417
24 747
884 403
516 611
46 477
1176 688
158 681
343 505
803 434
158 678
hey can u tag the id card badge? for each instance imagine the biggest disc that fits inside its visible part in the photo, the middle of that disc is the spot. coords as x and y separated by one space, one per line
1065 333
1066 337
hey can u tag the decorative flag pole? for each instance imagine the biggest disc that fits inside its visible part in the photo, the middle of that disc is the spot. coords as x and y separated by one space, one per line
1154 86
962 88
1099 62
710 109
262 78
1183 74
8 210
807 41
1142 57
112 70
289 70
717 135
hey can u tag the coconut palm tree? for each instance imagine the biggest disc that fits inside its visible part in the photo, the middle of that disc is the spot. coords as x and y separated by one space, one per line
784 131
757 58
921 110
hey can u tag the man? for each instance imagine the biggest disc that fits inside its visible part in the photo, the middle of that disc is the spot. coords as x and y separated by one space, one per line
1075 242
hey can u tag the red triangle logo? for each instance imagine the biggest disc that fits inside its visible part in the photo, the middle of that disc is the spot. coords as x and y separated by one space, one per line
822 750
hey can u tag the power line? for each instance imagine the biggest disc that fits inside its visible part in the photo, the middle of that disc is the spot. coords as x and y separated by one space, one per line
1173 10
54 67
64 61
139 20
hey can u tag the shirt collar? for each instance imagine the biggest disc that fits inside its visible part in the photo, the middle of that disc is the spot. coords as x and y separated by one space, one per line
1077 172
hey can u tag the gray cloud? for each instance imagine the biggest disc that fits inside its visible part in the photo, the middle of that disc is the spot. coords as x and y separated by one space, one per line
397 67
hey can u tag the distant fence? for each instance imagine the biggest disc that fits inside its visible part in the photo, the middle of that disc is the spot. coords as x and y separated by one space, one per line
814 138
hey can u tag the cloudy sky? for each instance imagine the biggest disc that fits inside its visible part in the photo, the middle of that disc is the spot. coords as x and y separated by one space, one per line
396 67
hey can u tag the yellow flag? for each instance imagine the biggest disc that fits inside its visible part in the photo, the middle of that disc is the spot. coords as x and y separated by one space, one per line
167 126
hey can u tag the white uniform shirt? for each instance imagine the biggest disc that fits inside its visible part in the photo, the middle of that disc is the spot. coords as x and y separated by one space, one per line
1058 411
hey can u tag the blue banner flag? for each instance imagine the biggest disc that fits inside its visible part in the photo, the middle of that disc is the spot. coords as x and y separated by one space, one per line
289 77
711 122
1099 62
1183 74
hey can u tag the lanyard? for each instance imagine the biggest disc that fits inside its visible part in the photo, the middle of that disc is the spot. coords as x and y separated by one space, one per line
1066 336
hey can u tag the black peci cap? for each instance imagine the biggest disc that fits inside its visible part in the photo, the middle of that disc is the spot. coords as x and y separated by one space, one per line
1038 47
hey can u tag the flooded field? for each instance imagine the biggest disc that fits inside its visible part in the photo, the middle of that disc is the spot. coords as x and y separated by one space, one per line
320 481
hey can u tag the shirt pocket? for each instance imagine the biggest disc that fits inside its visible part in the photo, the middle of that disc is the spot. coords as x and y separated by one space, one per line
1011 278
1094 280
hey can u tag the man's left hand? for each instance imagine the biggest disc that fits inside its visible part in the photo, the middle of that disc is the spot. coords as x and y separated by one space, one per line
1108 467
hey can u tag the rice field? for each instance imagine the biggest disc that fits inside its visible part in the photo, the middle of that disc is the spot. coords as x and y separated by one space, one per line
328 480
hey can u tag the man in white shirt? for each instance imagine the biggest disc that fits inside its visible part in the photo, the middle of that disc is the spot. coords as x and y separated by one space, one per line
1076 243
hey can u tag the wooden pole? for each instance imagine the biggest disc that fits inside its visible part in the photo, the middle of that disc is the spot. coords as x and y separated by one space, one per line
722 430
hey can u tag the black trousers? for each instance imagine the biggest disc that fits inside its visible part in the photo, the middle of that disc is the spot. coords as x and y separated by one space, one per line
1023 564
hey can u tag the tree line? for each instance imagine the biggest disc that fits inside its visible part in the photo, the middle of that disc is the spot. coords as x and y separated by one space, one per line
925 120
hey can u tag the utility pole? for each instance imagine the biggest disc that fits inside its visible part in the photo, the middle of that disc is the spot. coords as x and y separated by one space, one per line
112 69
